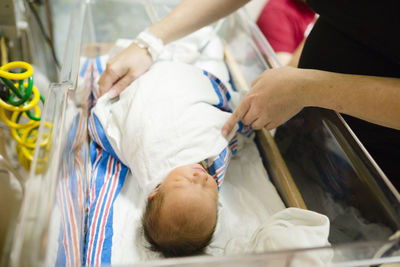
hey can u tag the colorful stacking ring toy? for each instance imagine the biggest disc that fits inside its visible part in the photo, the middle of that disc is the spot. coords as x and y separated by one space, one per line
20 111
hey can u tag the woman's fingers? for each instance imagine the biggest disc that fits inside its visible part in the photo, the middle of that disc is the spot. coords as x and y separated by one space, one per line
107 80
273 99
120 85
236 116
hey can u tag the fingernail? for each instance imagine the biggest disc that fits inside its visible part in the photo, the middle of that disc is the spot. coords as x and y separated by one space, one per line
112 94
224 132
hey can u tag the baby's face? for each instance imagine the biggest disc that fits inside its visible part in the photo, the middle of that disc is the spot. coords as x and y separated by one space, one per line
191 190
191 179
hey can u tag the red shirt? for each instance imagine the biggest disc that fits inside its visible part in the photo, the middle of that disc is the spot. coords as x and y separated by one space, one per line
283 22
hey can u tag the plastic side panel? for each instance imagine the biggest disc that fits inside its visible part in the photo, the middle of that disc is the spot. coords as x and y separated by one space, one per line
125 19
54 218
53 203
238 36
11 195
333 173
52 223
51 230
39 196
337 178
70 65
354 255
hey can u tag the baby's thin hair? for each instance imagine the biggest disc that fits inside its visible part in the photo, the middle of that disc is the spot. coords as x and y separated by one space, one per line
188 245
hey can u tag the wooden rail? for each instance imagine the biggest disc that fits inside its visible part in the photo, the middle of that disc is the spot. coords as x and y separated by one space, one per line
280 175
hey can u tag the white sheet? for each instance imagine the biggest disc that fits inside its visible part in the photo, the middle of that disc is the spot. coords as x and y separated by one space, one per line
252 217
245 193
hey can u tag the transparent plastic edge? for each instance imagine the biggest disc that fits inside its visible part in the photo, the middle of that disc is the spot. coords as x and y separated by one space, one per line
70 67
36 206
369 157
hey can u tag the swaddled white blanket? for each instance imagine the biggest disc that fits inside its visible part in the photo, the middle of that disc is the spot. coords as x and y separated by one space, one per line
169 117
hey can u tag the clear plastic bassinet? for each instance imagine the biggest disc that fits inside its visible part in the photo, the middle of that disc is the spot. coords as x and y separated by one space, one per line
97 24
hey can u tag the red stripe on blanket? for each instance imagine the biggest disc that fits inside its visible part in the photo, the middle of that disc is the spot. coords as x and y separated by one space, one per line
96 162
72 220
64 226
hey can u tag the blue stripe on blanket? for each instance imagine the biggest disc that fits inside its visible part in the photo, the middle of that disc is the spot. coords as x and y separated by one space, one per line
108 177
99 66
61 257
217 168
71 188
84 68
107 246
97 133
221 91
246 130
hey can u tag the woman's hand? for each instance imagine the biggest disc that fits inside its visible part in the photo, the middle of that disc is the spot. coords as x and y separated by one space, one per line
275 97
123 69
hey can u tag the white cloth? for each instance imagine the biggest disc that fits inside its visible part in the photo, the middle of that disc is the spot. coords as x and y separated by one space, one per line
288 229
291 228
163 120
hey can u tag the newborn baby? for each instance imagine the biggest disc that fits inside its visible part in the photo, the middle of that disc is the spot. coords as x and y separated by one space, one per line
170 139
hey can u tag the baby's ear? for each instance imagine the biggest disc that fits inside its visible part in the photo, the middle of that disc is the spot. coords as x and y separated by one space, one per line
154 193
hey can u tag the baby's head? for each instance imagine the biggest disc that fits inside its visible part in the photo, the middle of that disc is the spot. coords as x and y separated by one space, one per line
181 213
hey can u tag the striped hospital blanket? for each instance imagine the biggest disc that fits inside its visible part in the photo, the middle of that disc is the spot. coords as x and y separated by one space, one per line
109 174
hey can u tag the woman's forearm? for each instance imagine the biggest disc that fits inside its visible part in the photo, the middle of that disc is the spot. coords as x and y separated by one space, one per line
371 98
191 15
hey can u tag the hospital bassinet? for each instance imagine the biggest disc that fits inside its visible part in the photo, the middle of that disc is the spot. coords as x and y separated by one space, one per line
343 174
